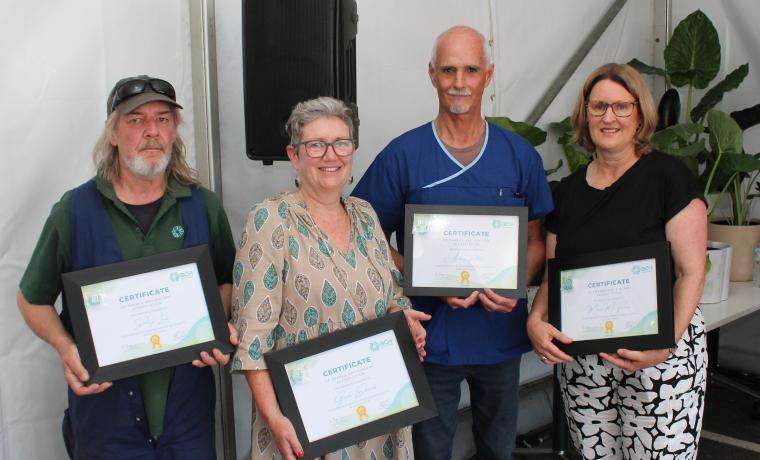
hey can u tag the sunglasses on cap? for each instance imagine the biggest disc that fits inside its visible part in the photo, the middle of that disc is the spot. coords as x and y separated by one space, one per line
133 86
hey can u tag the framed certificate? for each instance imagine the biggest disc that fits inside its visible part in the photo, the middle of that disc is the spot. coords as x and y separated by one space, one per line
454 250
146 314
622 298
351 385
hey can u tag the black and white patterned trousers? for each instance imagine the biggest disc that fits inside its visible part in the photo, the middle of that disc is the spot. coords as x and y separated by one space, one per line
654 412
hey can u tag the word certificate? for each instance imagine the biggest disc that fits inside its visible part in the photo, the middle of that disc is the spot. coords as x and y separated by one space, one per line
148 313
351 385
615 300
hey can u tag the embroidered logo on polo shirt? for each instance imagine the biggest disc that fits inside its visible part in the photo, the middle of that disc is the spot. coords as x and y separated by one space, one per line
178 231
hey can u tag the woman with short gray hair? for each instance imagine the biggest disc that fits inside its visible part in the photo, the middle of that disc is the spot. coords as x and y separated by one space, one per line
311 263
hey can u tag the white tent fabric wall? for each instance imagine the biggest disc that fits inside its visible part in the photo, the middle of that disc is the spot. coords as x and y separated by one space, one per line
532 42
60 60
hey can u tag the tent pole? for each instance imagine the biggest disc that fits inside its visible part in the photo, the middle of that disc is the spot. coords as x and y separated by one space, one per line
208 164
575 60
205 96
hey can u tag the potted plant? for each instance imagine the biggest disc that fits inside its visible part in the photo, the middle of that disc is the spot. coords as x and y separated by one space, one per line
708 141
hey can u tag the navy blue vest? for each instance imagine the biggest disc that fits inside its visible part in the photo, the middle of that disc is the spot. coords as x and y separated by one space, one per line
112 424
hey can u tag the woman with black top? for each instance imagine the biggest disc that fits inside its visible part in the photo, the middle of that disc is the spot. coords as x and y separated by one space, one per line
629 404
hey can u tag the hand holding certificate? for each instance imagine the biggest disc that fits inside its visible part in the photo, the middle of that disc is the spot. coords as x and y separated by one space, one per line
145 314
455 250
614 299
351 385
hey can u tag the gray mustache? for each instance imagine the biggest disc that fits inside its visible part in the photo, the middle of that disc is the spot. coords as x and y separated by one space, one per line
152 144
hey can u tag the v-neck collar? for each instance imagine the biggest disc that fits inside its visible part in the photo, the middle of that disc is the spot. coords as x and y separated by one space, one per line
462 168
301 210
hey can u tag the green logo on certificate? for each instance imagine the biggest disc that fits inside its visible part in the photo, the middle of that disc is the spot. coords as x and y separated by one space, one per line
178 231
567 283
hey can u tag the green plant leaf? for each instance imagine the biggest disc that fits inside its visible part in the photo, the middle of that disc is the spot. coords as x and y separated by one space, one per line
575 157
715 94
564 130
693 53
748 117
690 150
646 68
725 134
554 169
664 138
742 163
721 176
725 139
563 126
536 136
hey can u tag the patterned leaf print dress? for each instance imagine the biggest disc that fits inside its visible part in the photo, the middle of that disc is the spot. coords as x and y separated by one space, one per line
291 285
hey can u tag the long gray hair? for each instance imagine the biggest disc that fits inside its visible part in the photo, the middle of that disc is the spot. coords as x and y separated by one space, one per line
322 107
105 156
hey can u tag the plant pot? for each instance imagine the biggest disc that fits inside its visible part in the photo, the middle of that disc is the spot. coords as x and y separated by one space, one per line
717 273
743 238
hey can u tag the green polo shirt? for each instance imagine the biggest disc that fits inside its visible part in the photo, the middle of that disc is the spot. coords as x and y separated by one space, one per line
41 283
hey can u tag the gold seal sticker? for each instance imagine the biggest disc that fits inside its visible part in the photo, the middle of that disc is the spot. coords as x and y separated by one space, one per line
361 411
608 326
464 277
155 340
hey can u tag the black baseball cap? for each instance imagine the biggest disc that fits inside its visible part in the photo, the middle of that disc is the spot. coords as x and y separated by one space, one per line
131 92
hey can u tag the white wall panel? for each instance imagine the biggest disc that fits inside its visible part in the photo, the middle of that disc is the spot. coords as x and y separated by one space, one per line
60 60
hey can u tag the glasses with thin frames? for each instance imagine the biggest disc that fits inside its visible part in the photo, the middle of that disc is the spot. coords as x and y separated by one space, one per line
318 148
621 109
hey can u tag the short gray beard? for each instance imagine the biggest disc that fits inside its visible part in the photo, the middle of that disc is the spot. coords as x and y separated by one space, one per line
459 109
143 168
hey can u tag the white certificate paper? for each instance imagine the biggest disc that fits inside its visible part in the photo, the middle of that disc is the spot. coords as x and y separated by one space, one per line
464 251
145 314
351 385
616 300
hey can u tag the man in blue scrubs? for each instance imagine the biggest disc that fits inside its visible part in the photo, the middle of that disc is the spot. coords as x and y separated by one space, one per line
460 159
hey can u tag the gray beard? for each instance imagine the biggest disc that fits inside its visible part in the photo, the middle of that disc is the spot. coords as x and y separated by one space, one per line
140 167
459 109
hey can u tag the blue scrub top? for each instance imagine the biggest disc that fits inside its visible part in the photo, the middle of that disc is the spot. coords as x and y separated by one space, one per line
416 168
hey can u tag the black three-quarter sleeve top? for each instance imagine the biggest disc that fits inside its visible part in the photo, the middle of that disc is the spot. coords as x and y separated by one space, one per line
630 212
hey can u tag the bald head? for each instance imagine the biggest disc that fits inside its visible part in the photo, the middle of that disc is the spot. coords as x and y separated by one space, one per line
460 34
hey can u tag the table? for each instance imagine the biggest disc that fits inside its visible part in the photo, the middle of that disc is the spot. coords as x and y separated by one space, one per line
743 299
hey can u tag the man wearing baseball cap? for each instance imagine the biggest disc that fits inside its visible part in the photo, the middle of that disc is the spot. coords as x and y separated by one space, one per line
145 199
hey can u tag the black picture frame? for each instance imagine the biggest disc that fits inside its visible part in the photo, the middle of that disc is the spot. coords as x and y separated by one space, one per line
396 322
411 210
72 287
665 338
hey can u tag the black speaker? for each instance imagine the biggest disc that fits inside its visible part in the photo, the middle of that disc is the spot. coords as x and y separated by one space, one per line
293 50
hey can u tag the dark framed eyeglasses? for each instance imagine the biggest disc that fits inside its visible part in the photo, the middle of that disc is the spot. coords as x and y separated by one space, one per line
317 148
621 109
134 86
